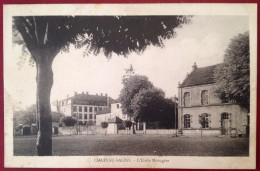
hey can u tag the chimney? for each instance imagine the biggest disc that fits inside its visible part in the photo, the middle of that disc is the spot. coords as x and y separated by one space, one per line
86 92
75 93
96 94
187 74
106 94
194 67
179 84
82 92
101 94
108 101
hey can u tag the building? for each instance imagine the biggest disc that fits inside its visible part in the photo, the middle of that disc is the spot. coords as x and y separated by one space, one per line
108 113
201 109
84 106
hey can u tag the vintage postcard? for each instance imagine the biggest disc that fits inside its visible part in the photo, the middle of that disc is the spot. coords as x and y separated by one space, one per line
130 86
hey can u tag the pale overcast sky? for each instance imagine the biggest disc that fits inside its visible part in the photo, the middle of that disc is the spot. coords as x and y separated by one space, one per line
203 41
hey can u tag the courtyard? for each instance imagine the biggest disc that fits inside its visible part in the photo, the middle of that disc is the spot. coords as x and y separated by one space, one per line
139 145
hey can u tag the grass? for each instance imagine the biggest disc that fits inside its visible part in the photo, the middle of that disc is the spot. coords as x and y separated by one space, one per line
161 145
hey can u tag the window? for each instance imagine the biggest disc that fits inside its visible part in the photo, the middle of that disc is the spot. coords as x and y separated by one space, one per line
117 105
85 116
85 109
100 108
94 116
90 116
204 120
80 116
205 97
74 115
187 120
90 109
187 99
95 109
224 116
80 108
74 108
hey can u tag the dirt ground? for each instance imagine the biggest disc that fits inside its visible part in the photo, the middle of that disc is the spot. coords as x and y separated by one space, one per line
155 145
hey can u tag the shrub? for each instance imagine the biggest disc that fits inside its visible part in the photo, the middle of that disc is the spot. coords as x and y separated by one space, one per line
104 125
69 121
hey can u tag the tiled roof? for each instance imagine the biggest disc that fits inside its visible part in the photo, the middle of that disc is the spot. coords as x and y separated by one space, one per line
89 97
200 76
115 120
104 111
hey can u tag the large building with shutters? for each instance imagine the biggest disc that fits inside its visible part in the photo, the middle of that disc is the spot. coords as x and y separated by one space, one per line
201 109
84 106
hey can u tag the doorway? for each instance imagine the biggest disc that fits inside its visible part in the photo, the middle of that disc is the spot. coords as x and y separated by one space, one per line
225 123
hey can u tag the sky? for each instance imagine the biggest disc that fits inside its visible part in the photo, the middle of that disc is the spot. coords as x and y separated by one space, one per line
203 41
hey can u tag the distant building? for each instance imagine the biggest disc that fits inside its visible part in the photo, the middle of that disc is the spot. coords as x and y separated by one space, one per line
200 108
84 106
109 113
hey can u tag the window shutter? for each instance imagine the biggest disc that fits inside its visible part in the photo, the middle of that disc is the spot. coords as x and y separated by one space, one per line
209 120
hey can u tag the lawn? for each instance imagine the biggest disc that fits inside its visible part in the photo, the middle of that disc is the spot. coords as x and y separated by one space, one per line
161 145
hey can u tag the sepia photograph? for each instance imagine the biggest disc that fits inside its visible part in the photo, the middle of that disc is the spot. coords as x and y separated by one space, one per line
108 86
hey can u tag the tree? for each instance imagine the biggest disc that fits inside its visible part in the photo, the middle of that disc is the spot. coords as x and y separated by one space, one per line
233 74
69 121
148 105
128 72
131 87
104 125
27 116
45 36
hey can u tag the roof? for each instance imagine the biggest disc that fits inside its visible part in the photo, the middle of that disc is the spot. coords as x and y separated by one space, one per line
104 111
115 120
200 76
89 99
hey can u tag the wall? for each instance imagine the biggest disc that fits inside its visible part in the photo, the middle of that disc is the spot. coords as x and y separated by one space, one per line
116 110
102 117
215 108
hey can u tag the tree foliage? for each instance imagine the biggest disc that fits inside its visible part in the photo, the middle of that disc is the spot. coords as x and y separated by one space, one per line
147 105
131 87
233 74
26 117
127 124
69 121
110 34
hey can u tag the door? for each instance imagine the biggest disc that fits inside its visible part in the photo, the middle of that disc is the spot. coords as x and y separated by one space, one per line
225 123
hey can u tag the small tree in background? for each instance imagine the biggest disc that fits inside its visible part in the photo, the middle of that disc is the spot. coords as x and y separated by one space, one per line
104 125
127 124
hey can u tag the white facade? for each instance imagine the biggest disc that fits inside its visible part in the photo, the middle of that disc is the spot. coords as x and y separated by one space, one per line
116 110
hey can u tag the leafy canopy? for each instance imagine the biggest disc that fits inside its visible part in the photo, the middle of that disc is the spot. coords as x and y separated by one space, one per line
108 34
69 121
233 74
131 87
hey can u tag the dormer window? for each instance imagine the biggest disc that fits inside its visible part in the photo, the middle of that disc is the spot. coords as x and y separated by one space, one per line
187 99
204 97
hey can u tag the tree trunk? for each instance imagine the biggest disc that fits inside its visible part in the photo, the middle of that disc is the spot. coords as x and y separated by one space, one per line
44 85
